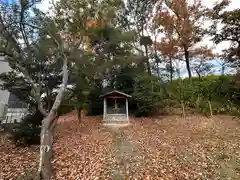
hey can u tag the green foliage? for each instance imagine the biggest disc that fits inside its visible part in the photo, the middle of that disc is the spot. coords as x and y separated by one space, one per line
148 95
65 108
229 31
220 91
125 79
27 132
95 106
36 57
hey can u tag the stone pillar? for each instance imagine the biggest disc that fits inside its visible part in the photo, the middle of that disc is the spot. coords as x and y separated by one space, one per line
127 108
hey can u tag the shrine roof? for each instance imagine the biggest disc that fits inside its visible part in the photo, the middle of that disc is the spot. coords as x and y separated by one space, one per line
116 92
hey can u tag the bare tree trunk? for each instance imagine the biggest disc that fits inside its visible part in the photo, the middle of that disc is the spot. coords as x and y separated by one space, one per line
199 75
183 109
198 101
171 69
79 113
210 107
178 73
49 99
48 124
148 64
45 169
155 51
158 73
223 70
186 53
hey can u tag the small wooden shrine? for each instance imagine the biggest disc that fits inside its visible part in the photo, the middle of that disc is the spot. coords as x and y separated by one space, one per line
115 107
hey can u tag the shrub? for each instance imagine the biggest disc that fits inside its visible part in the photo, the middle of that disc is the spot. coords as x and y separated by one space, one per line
148 94
95 104
65 108
221 91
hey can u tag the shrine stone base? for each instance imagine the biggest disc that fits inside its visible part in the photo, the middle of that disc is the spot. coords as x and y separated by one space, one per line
116 119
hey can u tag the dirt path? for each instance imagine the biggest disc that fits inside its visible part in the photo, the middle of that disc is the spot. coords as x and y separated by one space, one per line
123 153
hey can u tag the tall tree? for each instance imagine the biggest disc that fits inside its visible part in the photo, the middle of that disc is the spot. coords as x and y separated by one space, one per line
105 46
222 61
22 27
201 57
229 30
168 48
136 16
185 20
40 68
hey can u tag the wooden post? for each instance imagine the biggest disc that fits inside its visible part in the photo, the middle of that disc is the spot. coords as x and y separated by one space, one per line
104 108
127 108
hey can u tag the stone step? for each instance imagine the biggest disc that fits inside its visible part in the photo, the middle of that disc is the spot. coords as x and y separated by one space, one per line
116 122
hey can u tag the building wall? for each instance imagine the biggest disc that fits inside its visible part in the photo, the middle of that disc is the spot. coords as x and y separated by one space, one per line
15 112
4 67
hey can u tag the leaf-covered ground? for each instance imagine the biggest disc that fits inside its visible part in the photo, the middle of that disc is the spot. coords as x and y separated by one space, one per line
81 149
173 148
15 161
162 148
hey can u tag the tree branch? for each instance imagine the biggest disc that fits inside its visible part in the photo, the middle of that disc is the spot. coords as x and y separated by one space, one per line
60 94
8 36
19 55
22 29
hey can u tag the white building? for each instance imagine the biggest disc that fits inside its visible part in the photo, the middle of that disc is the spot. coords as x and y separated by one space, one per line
4 67
11 109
